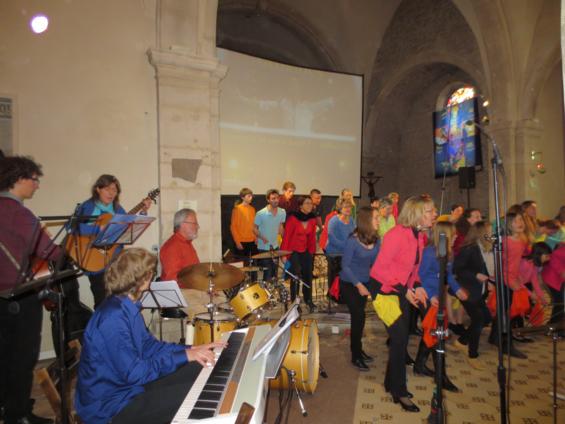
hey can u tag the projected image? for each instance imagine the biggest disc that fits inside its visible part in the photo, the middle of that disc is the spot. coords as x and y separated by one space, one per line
278 121
456 143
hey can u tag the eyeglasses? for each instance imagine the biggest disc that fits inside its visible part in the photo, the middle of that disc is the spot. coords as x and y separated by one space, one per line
192 222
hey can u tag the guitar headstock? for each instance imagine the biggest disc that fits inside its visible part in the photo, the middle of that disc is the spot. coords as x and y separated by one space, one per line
153 194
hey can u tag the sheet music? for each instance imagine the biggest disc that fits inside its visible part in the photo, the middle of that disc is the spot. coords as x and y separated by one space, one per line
167 294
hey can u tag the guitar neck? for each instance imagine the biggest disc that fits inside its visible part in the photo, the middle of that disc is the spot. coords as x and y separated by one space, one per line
136 208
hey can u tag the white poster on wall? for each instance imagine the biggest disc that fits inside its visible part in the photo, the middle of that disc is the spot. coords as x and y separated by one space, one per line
6 143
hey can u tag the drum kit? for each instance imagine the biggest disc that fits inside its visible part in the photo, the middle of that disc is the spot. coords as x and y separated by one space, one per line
252 303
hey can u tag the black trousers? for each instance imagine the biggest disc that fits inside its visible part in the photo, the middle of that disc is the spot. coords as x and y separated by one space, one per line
356 305
97 287
480 317
557 298
270 265
334 268
395 377
161 399
249 249
20 340
301 264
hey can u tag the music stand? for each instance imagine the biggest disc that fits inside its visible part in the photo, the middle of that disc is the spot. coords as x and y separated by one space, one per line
163 295
122 229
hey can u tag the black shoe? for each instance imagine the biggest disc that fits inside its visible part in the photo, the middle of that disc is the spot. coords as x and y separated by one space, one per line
448 385
312 308
522 339
423 370
360 364
406 404
515 353
408 394
367 358
409 360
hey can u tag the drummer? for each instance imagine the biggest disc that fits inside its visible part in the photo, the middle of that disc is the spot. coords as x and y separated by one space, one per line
178 252
268 227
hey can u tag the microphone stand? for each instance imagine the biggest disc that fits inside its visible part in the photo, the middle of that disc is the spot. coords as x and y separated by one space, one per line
437 413
502 320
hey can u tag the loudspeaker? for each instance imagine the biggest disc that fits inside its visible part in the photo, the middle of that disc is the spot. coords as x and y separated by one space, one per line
467 177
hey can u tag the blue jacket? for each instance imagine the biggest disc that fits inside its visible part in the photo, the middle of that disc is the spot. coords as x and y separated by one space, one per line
429 273
119 356
338 233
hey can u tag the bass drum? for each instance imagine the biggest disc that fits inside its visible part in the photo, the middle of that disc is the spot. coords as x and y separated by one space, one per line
223 322
302 357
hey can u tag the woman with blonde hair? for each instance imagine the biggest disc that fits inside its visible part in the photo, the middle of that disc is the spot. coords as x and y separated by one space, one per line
396 281
125 374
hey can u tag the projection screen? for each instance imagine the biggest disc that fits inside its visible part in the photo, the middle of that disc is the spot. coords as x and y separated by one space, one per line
281 122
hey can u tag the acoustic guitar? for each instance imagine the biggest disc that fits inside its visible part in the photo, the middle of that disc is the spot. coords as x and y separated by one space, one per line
91 258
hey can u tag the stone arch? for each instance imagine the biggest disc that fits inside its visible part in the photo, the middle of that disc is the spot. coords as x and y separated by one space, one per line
299 43
545 54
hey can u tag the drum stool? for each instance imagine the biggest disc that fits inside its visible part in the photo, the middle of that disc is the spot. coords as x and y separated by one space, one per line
172 313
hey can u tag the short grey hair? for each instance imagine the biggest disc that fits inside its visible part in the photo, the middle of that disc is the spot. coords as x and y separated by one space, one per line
180 216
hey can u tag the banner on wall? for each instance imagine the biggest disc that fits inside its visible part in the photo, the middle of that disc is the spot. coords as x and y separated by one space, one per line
6 142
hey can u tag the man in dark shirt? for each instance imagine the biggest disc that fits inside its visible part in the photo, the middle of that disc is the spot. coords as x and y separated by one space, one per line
21 240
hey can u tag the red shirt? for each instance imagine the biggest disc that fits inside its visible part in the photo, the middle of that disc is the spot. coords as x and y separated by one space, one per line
176 253
297 238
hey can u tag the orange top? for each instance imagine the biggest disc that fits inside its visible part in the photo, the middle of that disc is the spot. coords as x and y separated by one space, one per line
242 223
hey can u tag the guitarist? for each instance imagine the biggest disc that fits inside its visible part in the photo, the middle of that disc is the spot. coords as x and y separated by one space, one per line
105 199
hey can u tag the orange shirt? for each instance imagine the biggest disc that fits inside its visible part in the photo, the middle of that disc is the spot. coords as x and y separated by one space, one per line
242 223
176 253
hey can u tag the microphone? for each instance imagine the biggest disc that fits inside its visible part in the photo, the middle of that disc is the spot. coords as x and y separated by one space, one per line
442 245
496 151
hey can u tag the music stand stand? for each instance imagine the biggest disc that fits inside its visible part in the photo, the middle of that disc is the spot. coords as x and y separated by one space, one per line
162 295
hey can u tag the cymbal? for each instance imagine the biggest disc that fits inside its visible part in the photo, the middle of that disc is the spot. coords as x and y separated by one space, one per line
252 268
271 254
224 276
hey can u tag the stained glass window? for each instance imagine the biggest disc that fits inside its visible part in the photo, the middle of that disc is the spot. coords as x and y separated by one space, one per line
460 95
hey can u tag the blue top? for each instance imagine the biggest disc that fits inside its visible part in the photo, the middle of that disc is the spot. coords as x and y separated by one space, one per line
118 357
429 273
357 261
92 207
338 233
268 225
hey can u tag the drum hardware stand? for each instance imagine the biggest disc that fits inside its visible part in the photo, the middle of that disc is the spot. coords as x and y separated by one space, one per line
323 372
292 375
211 306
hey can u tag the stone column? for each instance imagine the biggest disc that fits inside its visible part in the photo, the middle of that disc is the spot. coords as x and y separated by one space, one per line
529 133
187 78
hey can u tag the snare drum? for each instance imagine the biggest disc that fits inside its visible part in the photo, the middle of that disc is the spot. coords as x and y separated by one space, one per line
249 299
223 322
302 357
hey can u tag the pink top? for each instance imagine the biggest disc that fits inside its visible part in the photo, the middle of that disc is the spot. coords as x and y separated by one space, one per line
396 261
554 270
529 274
513 250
